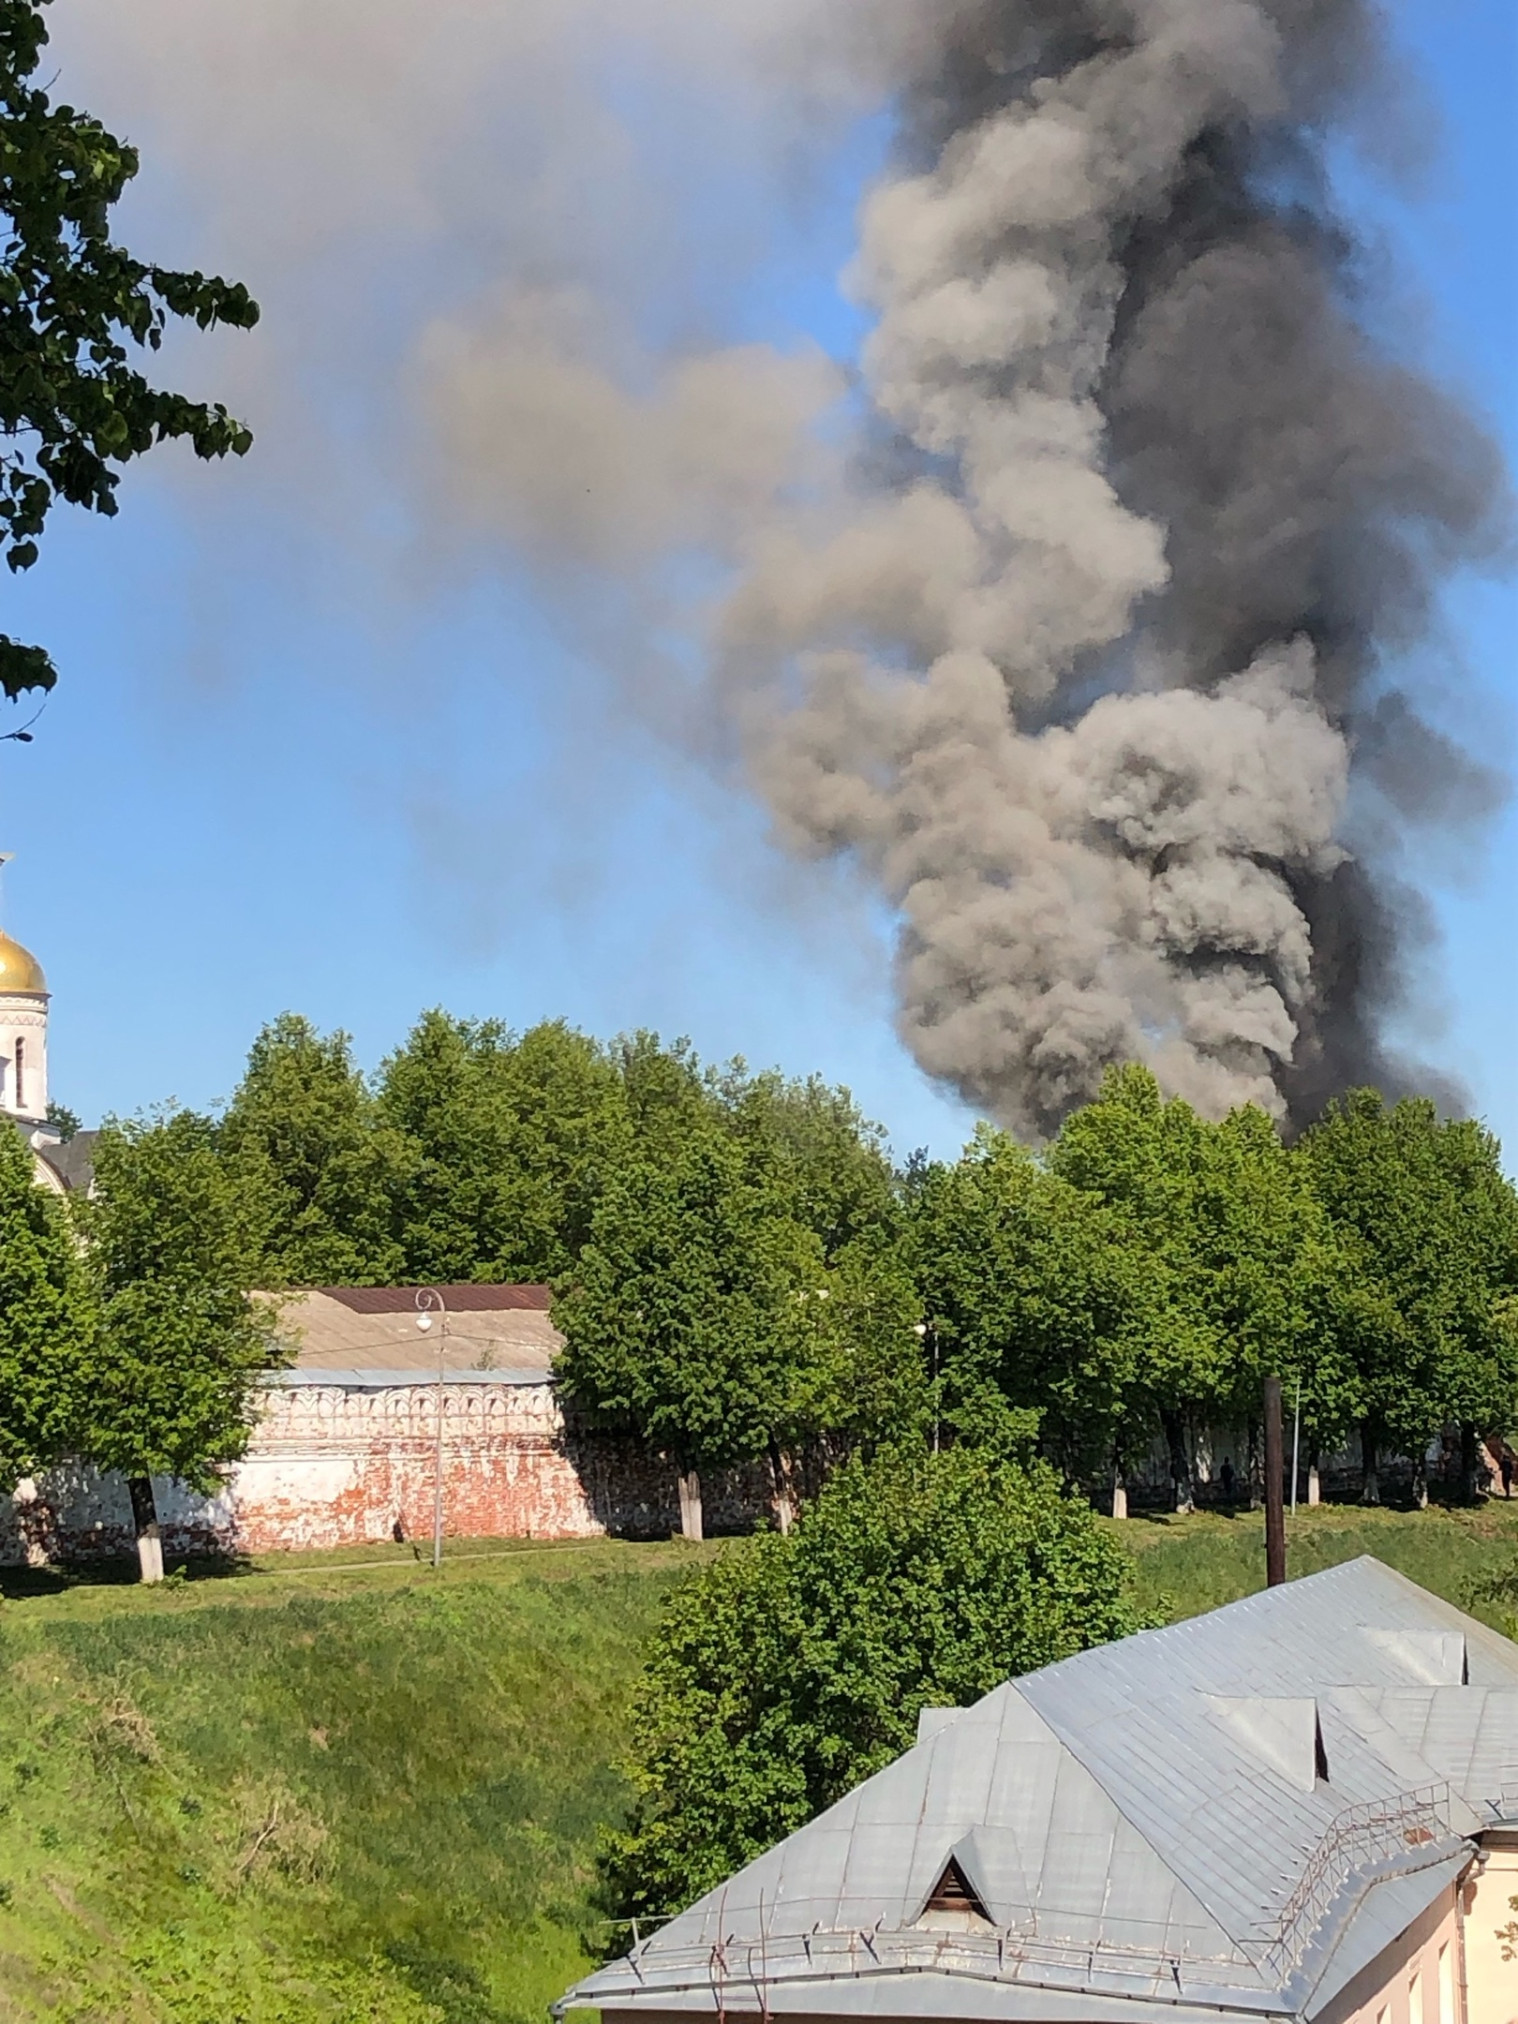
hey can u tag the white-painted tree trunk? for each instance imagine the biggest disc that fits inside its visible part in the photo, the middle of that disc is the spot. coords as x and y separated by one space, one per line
690 1505
145 1524
1314 1485
782 1476
1119 1495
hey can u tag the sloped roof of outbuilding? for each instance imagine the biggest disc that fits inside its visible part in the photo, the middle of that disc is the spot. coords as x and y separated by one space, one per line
1145 1825
367 1336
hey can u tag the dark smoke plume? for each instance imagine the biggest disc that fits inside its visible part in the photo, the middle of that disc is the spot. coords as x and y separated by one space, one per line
1088 692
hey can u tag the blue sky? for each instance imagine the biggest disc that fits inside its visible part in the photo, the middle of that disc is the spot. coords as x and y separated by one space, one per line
303 757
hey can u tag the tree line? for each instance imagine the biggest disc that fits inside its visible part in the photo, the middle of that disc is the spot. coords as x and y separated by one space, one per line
743 1275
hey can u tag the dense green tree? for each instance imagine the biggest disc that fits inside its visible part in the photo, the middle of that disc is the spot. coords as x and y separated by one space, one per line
860 1378
511 1140
1269 1274
684 1314
1241 1261
666 1092
816 1146
1428 1230
786 1672
1144 1158
1036 1293
48 1322
174 1241
743 1291
75 312
303 1138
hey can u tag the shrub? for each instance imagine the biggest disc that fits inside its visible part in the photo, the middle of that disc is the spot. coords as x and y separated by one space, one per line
786 1671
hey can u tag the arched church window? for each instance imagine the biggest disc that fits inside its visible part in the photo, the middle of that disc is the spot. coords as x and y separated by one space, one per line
20 1073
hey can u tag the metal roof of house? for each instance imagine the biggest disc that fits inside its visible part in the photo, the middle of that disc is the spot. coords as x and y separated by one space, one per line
1145 1825
462 1297
367 1336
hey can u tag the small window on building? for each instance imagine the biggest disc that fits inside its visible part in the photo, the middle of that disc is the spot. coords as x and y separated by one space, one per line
1446 1985
1415 1997
20 1074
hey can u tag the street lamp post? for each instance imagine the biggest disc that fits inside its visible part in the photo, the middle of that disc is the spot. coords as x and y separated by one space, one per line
428 1300
1296 1447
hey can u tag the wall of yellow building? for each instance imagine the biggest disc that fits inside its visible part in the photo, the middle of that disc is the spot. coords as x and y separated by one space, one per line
1491 1934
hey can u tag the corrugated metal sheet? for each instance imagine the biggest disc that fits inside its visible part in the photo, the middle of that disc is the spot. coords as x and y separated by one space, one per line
1139 1821
465 1298
397 1375
349 1330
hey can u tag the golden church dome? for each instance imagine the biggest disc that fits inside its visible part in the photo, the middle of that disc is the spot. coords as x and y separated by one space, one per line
19 970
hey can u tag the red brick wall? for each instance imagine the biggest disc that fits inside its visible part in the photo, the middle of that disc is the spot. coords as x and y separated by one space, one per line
333 1466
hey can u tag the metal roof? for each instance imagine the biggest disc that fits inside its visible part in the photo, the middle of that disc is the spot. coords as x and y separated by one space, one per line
395 1378
1144 1824
459 1298
354 1334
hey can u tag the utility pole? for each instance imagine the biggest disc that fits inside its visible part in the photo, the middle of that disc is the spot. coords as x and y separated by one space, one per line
1275 1511
1296 1447
427 1299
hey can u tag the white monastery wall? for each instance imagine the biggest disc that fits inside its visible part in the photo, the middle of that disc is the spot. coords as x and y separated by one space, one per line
341 1463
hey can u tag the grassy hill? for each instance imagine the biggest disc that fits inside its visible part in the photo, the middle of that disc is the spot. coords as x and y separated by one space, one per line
344 1788
324 1792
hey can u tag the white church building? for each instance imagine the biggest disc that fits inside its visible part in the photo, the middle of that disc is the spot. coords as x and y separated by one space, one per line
61 1165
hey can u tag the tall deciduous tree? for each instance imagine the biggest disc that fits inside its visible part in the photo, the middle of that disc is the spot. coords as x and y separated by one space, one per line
683 1315
48 1322
1428 1226
1036 1294
174 1242
511 1139
814 1144
1240 1259
302 1137
783 1675
76 311
1268 1273
1144 1158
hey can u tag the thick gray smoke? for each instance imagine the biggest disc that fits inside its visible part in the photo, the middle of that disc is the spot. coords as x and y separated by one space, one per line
1086 689
1075 626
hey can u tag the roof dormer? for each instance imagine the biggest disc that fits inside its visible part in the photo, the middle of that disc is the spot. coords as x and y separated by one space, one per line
1283 1733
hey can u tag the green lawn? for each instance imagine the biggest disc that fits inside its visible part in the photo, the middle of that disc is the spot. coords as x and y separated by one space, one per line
343 1788
328 1791
1191 1564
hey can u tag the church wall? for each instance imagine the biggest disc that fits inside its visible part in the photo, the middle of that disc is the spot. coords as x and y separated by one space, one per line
341 1465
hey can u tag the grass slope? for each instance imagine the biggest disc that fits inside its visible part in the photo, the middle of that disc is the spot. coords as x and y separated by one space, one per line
325 1793
1186 1565
342 1790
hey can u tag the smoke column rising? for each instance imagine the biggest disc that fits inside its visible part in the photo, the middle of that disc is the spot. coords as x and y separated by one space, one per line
1085 687
1080 628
